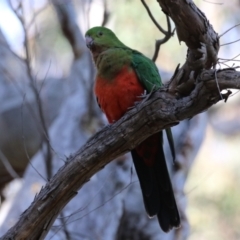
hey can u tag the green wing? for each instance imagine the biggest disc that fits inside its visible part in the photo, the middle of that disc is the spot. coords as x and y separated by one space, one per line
146 71
149 77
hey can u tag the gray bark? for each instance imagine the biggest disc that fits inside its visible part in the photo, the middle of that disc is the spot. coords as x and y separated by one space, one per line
103 147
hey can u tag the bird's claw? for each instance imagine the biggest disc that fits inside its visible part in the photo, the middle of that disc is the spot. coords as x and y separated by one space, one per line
143 95
146 96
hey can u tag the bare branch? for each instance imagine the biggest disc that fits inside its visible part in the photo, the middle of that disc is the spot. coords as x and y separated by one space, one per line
219 91
21 17
24 142
35 222
194 29
164 40
230 59
106 14
72 32
67 18
230 42
167 33
35 15
153 19
8 166
229 30
216 3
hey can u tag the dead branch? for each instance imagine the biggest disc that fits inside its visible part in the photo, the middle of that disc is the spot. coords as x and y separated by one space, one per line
159 111
194 29
167 33
20 13
71 31
106 14
8 165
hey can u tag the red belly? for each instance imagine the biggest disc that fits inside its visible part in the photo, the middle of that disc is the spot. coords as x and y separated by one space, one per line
117 95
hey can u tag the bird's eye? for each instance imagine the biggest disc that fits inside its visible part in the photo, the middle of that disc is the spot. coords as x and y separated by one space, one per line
100 34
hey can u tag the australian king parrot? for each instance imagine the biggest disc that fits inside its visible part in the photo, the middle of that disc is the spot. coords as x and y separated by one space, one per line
124 74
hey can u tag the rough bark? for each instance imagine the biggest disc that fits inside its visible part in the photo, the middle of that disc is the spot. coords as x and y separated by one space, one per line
194 29
159 111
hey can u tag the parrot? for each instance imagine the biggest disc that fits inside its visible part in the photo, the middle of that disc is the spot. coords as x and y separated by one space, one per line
123 75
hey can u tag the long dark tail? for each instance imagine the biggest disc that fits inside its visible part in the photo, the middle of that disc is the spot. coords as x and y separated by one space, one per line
156 188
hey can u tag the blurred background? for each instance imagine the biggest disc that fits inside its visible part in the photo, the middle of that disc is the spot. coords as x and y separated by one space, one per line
47 110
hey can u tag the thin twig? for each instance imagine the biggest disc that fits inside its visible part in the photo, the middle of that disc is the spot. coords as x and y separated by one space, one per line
229 43
153 19
231 59
106 13
159 42
227 60
229 30
224 64
216 3
169 33
88 13
103 184
82 208
94 209
35 15
8 166
48 156
64 227
24 143
215 73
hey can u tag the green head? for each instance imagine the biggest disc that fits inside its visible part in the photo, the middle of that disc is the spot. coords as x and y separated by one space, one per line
99 39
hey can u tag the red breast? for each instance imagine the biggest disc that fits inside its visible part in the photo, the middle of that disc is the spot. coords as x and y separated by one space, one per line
116 96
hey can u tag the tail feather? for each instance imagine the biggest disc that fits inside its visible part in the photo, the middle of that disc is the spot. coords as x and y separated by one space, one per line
170 142
168 215
147 182
157 189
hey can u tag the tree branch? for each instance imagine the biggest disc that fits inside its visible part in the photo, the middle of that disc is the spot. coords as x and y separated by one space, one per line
194 29
167 33
67 18
158 111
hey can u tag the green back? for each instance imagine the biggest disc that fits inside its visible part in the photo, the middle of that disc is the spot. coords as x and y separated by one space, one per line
149 76
146 71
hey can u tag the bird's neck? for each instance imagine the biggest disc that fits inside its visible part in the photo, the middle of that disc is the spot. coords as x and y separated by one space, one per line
111 61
